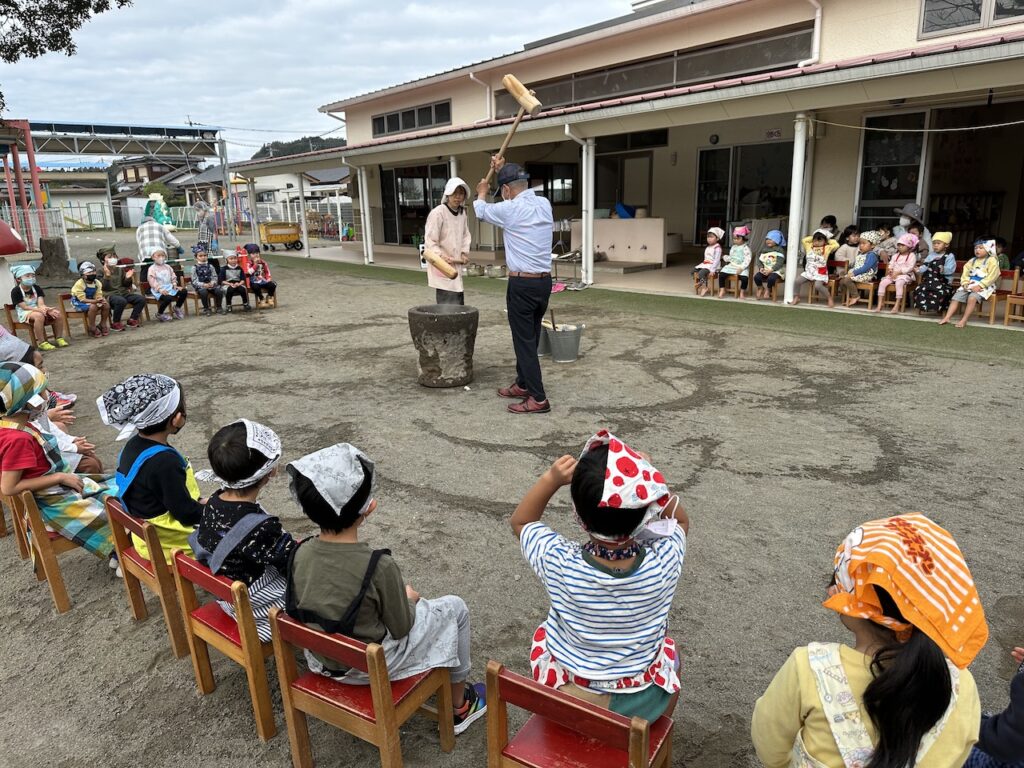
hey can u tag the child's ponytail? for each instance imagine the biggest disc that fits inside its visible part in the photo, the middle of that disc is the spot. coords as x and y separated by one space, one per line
910 692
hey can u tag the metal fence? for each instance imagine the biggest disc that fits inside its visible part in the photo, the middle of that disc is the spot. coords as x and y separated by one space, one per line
33 223
86 216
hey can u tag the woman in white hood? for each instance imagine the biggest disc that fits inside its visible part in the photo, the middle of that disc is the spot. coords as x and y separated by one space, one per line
447 233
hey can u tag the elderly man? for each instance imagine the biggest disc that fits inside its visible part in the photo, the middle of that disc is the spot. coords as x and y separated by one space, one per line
152 234
527 221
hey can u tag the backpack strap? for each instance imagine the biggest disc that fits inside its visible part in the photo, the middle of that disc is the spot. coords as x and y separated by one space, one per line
124 481
235 535
331 626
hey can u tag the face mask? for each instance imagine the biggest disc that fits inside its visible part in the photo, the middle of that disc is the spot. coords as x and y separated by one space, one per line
159 260
29 281
90 278
904 221
112 261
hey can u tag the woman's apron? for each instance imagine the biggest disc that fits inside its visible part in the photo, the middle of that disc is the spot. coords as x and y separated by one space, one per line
845 717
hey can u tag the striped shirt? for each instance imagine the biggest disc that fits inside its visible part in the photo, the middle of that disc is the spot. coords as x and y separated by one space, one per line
151 236
603 626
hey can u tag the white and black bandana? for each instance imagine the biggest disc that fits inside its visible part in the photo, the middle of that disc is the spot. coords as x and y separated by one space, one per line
258 438
338 473
138 402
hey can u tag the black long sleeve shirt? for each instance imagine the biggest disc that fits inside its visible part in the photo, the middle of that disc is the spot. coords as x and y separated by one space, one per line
160 485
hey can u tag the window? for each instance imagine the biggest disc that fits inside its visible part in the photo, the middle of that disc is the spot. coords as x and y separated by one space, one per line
891 165
630 142
558 180
415 119
942 17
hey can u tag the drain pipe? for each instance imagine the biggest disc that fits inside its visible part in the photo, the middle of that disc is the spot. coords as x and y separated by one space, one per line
816 38
587 218
489 110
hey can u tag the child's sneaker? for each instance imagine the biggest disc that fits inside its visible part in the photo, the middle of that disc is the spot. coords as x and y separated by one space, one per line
118 326
179 313
474 707
46 346
96 332
164 318
229 310
207 312
60 342
133 323
104 330
246 308
220 310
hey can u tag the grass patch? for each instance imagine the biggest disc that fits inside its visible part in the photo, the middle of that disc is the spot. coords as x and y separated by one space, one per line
971 343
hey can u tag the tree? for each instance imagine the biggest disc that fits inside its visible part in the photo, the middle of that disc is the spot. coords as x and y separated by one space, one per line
297 146
171 197
31 28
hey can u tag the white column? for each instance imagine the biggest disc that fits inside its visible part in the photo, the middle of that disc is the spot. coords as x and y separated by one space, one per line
366 215
796 197
254 211
337 209
453 167
587 266
302 215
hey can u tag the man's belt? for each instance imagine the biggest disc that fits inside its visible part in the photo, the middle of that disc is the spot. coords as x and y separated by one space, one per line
529 274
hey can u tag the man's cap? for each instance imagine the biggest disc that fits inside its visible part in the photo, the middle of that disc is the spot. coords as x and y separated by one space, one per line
511 172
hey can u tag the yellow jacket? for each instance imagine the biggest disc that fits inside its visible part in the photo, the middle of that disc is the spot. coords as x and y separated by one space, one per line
78 289
987 269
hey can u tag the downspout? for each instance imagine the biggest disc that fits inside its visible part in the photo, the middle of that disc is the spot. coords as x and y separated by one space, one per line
489 110
816 38
587 220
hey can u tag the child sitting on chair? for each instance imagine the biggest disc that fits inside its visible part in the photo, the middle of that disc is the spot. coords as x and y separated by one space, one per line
737 263
236 538
901 272
204 281
887 246
712 260
259 276
817 249
846 253
165 288
862 270
232 277
154 481
589 645
30 307
87 296
339 585
772 264
978 282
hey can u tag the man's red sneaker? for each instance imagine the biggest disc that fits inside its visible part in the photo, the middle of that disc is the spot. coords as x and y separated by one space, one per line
529 405
513 392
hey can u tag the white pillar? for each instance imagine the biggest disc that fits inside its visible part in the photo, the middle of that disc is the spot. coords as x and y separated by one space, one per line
365 215
302 215
337 208
587 265
254 211
809 165
453 167
796 198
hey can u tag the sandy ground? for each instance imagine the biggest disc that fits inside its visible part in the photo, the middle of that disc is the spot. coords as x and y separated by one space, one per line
778 444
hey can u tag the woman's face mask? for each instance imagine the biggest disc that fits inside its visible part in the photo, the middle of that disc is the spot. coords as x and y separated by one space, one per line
904 221
112 261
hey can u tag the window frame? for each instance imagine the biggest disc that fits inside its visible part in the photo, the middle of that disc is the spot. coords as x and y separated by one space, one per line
549 176
415 111
988 20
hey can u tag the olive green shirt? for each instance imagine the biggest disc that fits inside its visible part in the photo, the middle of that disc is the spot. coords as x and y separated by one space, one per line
327 577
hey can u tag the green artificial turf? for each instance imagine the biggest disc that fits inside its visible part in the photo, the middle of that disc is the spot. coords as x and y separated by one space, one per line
971 343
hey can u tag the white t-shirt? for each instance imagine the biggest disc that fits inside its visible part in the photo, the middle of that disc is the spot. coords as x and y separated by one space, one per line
603 626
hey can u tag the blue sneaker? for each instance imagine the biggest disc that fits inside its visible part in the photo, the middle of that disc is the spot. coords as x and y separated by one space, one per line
474 707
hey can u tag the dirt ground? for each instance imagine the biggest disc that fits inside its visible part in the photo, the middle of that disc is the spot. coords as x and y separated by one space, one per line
778 443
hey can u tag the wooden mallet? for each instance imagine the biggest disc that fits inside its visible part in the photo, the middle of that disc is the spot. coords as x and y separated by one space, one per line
527 103
442 266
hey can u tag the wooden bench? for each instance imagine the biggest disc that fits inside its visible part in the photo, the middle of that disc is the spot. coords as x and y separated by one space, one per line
373 712
208 624
155 573
563 730
16 326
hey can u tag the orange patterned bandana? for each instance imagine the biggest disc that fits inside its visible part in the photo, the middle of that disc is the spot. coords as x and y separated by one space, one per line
921 567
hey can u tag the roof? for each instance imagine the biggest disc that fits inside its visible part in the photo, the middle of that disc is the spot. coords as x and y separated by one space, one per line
657 13
330 175
793 73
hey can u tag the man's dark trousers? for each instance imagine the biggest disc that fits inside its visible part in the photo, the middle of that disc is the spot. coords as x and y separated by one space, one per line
527 301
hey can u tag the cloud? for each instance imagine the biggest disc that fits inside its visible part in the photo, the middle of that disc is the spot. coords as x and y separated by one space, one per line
268 64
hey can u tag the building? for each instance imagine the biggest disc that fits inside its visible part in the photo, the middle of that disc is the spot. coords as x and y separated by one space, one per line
713 112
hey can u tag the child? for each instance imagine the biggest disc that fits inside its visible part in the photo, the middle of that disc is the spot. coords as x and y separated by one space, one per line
605 636
204 280
739 261
918 231
887 248
165 287
863 270
902 696
940 252
830 224
1001 255
233 277
846 253
30 460
29 306
120 289
335 488
1001 739
900 271
934 290
817 249
87 296
154 481
712 261
259 276
977 283
773 264
236 537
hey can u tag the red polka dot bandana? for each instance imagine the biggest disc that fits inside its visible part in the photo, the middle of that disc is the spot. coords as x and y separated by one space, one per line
630 482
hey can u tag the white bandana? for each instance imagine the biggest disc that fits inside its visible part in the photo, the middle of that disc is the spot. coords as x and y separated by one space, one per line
258 438
336 474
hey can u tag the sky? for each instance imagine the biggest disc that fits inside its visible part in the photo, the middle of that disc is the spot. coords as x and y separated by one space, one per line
265 66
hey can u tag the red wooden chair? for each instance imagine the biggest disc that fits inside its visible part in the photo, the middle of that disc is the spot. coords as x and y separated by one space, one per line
155 573
373 712
207 624
564 730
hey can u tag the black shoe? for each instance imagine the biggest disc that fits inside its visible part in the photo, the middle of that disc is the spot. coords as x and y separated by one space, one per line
246 308
220 310
229 310
206 312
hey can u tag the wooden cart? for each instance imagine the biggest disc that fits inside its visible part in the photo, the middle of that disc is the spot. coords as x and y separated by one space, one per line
273 233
